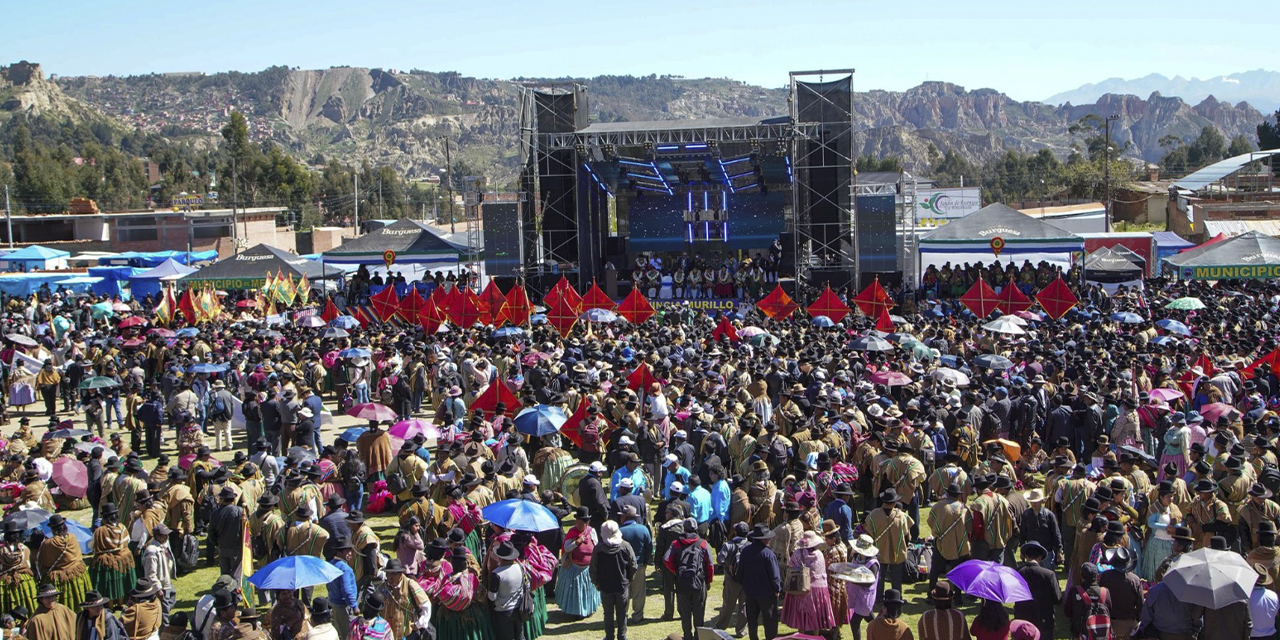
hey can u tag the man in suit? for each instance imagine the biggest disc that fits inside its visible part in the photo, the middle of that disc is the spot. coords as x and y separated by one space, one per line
591 494
225 532
1045 592
335 520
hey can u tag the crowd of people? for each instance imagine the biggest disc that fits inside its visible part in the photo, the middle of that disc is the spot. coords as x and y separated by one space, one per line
803 479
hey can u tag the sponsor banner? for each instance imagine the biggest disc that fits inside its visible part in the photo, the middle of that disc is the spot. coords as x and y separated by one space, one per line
1242 272
936 207
710 306
229 284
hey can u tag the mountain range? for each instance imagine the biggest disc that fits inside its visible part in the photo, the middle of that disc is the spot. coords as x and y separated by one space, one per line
1260 88
403 118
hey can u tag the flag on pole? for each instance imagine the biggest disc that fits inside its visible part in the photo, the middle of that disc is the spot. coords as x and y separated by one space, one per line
330 312
188 307
304 290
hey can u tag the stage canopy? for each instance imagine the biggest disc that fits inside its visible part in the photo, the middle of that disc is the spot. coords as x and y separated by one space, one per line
413 242
150 281
249 269
1108 265
1025 238
149 259
36 257
1251 255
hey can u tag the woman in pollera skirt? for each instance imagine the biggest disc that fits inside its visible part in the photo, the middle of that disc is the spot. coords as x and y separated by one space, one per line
61 562
459 609
539 564
112 568
575 594
17 583
809 612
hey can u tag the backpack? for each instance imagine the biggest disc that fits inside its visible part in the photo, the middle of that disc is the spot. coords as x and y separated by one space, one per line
525 608
189 554
396 482
919 560
730 561
218 409
691 570
1097 618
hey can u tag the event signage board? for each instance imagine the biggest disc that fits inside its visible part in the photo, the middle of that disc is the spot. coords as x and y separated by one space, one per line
936 207
709 306
1242 272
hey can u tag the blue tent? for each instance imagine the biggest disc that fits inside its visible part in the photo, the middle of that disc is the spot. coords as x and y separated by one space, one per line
113 281
150 281
36 257
25 284
1168 244
151 259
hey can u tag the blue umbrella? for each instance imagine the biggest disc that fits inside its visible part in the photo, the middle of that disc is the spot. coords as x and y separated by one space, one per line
521 515
1173 326
294 572
538 318
508 332
345 322
352 434
82 533
207 367
187 332
993 362
599 315
823 321
354 353
1127 317
949 360
1164 340
540 420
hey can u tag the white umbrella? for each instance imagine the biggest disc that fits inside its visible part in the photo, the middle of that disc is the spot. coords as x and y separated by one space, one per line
957 377
1005 326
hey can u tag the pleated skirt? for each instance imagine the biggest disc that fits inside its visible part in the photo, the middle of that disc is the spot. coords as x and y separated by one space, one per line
809 612
112 584
21 592
575 595
536 625
71 593
472 623
474 545
1153 553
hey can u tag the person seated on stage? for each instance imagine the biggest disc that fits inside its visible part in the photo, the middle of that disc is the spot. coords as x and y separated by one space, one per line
677 281
694 290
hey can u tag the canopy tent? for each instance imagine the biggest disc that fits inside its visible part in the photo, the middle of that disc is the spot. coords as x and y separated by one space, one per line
412 242
1168 244
1025 238
1110 266
1251 255
249 268
149 282
149 259
35 257
114 280
25 284
79 285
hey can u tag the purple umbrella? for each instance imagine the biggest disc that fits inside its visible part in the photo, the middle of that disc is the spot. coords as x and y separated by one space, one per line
990 581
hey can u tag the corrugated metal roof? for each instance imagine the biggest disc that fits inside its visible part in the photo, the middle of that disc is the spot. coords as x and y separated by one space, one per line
1237 227
1221 169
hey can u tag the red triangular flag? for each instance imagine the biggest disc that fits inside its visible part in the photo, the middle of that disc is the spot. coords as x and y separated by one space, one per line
330 312
1057 299
597 299
777 305
1012 300
188 307
873 298
641 378
496 392
572 428
884 322
635 307
385 303
1247 372
725 330
562 316
411 306
464 308
518 307
563 289
496 303
980 299
430 316
830 305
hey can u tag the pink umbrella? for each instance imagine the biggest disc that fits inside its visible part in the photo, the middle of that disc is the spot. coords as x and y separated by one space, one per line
1212 412
373 411
408 429
185 461
1167 395
891 378
133 343
120 306
162 332
71 476
1028 315
132 321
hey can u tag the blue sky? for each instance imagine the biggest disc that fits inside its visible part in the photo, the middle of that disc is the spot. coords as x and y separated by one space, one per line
1025 49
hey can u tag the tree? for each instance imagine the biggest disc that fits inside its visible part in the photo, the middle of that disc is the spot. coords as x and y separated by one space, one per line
1209 147
955 170
870 163
1269 137
1240 145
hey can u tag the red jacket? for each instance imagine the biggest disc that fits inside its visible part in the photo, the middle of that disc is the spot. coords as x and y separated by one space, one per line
672 559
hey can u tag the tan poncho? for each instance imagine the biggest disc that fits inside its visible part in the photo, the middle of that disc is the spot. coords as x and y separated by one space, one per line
59 558
110 547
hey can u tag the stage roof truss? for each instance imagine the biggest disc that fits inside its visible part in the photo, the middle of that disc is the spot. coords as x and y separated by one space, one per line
758 133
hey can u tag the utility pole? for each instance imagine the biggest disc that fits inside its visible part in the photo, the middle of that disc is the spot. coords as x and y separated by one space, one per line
448 172
8 215
380 197
235 200
1106 158
356 175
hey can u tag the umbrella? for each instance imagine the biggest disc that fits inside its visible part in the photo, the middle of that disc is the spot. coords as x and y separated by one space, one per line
98 382
897 319
891 378
82 533
990 581
344 322
521 515
1127 317
1167 395
185 461
207 367
372 411
747 332
28 519
247 303
311 322
823 321
295 572
63 434
540 420
162 332
760 339
1029 315
1210 578
334 332
1212 412
354 353
871 343
945 373
1005 325
407 429
919 350
993 362
352 434
508 332
1164 340
269 333
18 338
1185 304
1173 326
1141 454
538 318
120 306
901 338
1012 450
187 332
132 321
71 476
102 310
599 315
88 447
133 343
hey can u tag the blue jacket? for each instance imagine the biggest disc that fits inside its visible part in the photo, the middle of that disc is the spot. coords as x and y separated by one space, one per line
758 571
637 535
342 590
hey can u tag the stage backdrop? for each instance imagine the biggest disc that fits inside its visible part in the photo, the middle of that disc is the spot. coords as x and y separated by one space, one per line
877 239
656 221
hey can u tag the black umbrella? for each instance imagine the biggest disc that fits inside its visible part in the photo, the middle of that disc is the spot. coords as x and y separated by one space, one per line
18 338
27 518
334 332
65 433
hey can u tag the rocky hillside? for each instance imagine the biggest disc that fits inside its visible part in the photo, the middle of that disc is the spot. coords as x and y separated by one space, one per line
403 118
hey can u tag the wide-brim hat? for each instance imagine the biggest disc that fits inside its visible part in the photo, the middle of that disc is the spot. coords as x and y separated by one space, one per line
94 599
393 566
830 528
507 551
759 465
1264 574
760 532
863 545
144 589
1035 496
355 517
47 590
941 592
811 540
893 596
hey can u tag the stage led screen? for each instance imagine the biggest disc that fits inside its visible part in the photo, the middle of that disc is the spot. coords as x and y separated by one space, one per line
656 221
501 238
877 240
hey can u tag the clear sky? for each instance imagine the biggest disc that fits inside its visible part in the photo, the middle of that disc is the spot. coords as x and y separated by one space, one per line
1028 50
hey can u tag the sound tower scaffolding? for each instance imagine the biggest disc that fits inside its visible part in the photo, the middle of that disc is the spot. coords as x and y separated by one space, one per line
823 204
549 178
